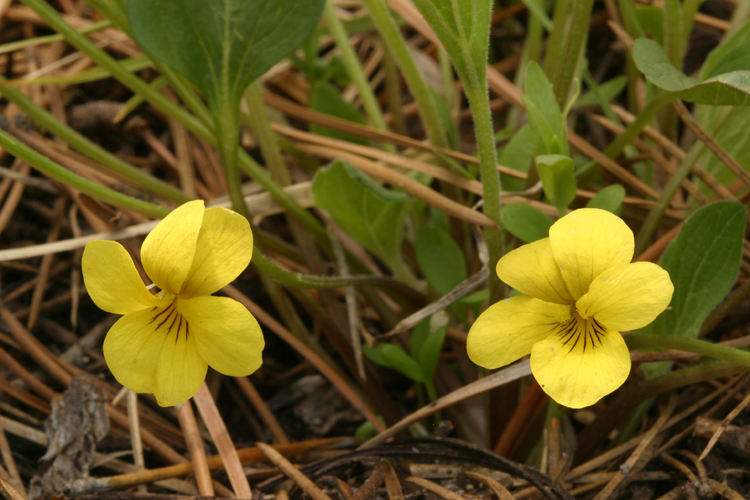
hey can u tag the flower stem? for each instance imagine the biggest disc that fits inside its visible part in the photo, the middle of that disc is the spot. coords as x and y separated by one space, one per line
709 349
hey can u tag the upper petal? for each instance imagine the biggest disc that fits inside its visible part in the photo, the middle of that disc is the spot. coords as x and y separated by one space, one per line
167 252
112 280
228 337
585 243
531 270
132 347
506 330
578 374
181 370
627 297
222 252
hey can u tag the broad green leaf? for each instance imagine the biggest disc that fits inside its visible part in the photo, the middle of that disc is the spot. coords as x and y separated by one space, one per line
463 28
525 222
419 335
703 262
609 89
609 199
392 356
222 45
728 89
440 259
370 214
517 154
545 118
327 99
728 52
558 181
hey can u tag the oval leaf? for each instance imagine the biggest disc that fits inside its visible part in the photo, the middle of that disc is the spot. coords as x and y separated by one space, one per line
440 259
525 222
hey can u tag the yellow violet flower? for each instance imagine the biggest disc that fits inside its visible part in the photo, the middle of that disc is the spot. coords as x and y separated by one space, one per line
164 343
580 291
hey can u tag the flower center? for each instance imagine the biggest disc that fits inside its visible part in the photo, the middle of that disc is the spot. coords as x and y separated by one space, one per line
587 331
171 319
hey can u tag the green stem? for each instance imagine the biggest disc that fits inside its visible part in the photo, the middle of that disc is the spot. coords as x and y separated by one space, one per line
709 349
354 68
476 91
65 176
297 280
44 40
425 102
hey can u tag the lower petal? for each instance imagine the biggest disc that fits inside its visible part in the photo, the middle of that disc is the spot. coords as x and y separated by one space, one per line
506 331
227 336
132 348
578 372
181 370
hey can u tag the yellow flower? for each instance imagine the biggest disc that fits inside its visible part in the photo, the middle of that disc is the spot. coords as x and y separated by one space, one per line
164 343
580 291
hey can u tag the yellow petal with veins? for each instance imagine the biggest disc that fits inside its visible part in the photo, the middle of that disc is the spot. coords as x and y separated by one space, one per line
167 252
587 242
506 331
627 297
112 280
132 347
223 251
180 370
577 374
228 337
532 270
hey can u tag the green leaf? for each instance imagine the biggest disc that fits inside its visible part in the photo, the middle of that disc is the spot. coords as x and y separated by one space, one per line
372 215
652 20
609 199
525 222
429 353
728 89
440 259
728 54
545 118
517 154
327 99
609 89
463 28
222 45
392 356
558 180
703 262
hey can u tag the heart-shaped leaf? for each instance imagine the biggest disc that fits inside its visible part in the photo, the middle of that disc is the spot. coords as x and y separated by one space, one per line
222 45
727 89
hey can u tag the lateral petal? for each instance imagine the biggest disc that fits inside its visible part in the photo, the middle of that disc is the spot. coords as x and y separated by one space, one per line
181 370
167 252
227 336
532 270
223 250
112 280
132 347
506 331
585 243
627 297
578 374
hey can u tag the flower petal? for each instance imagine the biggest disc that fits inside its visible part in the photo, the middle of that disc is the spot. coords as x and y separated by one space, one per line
167 252
132 347
627 297
585 243
223 251
181 370
506 331
580 375
112 280
227 335
531 270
